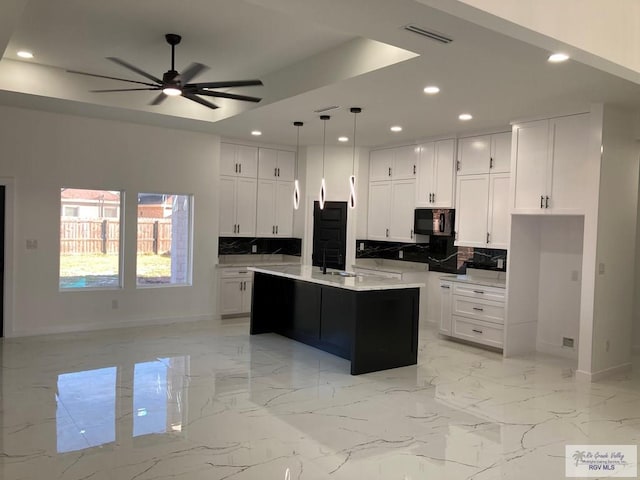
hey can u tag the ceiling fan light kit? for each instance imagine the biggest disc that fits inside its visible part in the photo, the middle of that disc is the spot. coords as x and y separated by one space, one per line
174 83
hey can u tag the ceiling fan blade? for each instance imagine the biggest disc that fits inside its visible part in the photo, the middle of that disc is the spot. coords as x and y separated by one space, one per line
191 71
230 83
111 78
199 100
232 96
124 90
159 99
134 69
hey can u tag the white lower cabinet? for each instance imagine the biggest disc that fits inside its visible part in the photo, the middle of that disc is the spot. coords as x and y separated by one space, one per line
473 312
445 307
235 291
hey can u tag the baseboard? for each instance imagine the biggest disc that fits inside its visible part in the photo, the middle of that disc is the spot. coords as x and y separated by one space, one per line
90 327
557 350
602 374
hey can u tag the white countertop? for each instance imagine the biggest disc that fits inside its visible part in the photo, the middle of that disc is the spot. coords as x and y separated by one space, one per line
488 279
257 260
390 266
359 283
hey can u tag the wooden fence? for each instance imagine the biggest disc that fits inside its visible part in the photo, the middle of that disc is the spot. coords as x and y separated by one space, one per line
93 236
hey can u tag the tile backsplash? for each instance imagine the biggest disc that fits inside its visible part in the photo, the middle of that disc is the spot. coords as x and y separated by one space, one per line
439 253
243 246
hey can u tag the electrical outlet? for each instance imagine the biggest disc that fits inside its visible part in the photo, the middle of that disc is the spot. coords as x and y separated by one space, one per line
361 246
114 304
567 342
32 244
254 249
601 269
400 254
501 263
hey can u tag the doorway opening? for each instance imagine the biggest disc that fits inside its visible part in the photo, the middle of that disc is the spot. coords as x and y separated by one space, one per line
330 235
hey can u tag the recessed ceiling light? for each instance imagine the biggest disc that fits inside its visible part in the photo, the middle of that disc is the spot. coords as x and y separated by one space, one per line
558 57
465 116
256 133
396 128
431 90
25 54
343 139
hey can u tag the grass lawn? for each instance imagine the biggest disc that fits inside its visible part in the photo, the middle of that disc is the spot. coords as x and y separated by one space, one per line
82 265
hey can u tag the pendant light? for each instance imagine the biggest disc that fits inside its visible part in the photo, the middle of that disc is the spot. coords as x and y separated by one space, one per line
323 186
352 178
296 183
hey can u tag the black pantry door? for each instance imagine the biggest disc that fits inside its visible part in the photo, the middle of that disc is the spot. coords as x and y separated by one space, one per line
330 234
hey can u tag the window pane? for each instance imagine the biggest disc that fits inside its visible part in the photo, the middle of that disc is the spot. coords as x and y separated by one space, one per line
164 239
90 238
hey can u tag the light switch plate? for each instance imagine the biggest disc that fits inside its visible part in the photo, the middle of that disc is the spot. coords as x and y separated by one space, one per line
400 254
254 249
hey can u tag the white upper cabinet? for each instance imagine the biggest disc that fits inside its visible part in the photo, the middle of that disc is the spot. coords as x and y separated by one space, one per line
472 208
393 164
474 154
379 210
284 209
238 160
237 207
484 154
482 217
403 193
380 165
436 174
405 160
549 159
276 164
266 218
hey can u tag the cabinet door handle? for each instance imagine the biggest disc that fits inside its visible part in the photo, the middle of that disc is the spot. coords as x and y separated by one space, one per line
481 292
457 165
478 309
546 202
387 232
236 168
389 171
541 201
234 228
411 233
487 237
490 162
477 331
275 172
414 169
276 229
238 228
434 197
273 229
445 286
240 286
278 171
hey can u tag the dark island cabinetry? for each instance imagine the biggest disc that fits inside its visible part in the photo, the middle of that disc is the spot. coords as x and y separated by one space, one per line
375 329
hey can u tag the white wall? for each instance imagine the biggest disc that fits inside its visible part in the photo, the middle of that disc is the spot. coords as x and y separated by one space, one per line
42 152
337 169
559 283
616 248
592 31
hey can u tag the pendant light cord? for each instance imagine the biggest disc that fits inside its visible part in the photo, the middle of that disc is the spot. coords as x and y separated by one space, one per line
324 142
353 160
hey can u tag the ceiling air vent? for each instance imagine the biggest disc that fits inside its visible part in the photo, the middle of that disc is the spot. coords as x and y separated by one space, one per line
326 109
438 37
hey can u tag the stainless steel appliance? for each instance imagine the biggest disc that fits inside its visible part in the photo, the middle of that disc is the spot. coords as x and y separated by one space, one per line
434 221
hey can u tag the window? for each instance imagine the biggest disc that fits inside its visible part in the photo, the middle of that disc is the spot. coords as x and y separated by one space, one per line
164 239
89 239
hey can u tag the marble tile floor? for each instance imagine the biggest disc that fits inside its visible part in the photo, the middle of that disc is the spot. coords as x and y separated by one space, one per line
196 401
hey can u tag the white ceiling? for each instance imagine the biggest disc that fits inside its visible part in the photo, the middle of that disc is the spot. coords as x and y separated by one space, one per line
309 54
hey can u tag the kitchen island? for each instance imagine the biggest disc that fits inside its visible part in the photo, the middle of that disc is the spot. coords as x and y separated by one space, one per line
367 319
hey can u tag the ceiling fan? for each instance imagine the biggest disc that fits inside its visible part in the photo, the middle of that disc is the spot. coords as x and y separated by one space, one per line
174 83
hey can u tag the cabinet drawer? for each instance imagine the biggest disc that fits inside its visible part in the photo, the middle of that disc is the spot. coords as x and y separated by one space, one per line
479 291
479 309
235 273
477 332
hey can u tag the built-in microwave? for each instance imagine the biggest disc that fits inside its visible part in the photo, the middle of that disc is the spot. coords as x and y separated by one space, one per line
434 221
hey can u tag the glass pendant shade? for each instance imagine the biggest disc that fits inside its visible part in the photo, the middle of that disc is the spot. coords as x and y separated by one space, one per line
352 191
323 194
296 194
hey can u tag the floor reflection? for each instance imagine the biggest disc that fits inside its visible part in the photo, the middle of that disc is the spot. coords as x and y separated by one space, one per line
91 405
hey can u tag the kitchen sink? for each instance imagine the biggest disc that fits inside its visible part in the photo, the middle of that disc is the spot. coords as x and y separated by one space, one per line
342 274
